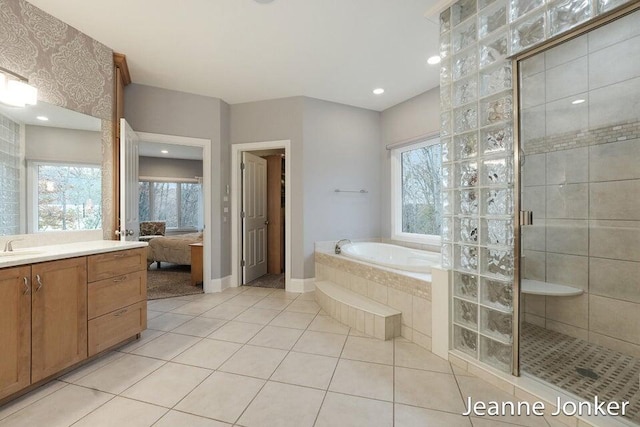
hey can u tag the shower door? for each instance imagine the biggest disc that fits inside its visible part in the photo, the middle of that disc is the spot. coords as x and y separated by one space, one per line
579 155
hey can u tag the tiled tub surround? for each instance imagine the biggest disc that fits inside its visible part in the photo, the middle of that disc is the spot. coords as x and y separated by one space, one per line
477 135
581 179
409 293
363 315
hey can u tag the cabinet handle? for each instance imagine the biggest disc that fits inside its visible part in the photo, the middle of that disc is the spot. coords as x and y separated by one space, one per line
27 288
121 255
121 312
120 279
39 280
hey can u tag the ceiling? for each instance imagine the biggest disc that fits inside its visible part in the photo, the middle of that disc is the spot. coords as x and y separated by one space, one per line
242 50
58 117
154 149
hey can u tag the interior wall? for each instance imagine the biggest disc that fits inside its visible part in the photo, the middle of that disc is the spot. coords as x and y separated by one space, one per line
412 118
223 202
272 120
332 146
62 145
162 111
341 151
80 62
161 167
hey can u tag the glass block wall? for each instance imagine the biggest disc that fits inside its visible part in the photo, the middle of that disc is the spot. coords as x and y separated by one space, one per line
476 105
10 158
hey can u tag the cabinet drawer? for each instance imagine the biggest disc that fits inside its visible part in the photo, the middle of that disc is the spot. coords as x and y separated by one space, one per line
112 264
115 327
108 295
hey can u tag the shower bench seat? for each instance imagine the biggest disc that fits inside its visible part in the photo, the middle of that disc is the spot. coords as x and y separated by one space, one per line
536 287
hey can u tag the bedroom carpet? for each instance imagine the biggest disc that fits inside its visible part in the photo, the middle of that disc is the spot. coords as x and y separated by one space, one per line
170 281
273 281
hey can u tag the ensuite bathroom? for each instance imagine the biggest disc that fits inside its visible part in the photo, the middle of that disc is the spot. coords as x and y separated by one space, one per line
494 255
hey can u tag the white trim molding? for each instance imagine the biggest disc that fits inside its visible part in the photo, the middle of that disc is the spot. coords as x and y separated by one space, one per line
302 285
396 193
236 236
218 285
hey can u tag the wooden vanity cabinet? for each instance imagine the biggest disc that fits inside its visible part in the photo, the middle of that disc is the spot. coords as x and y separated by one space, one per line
117 297
58 316
15 330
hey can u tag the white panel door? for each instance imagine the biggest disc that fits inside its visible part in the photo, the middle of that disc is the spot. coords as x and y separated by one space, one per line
129 199
254 217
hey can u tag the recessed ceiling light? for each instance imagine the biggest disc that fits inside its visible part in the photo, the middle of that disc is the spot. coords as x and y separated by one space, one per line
43 118
378 91
164 151
433 60
578 101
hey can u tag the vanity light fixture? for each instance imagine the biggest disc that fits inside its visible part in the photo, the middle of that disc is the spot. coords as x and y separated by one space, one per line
15 90
43 118
433 60
164 151
578 101
378 91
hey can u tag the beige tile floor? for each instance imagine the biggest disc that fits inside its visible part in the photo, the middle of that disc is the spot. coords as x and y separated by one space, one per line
257 357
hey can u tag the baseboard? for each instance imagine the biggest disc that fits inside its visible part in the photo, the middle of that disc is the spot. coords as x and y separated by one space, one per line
217 285
302 285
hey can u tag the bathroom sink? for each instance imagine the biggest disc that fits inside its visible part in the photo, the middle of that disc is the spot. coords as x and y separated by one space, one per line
19 252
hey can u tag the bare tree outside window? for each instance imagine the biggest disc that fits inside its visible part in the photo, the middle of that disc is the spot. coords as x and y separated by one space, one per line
421 196
176 203
69 197
189 204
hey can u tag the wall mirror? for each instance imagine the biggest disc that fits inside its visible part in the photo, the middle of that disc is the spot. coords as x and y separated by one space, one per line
50 170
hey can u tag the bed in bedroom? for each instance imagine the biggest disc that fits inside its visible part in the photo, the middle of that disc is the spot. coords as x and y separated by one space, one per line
173 249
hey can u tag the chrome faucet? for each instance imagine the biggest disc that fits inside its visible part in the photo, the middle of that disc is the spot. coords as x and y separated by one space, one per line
8 247
338 248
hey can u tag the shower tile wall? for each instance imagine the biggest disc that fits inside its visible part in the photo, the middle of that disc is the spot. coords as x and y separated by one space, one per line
476 106
581 180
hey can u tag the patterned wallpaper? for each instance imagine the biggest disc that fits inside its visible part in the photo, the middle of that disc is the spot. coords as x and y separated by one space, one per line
69 68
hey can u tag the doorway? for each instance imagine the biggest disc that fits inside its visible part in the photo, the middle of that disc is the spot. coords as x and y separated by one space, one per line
166 175
578 177
260 217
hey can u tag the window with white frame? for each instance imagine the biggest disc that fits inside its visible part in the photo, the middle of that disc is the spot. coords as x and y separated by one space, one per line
416 174
64 196
178 203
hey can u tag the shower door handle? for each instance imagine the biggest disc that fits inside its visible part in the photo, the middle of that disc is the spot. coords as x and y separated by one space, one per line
526 218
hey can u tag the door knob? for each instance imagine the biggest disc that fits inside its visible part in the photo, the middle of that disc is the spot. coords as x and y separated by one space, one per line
266 222
128 233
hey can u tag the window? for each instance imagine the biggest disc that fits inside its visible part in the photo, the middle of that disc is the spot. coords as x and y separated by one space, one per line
176 203
416 192
65 196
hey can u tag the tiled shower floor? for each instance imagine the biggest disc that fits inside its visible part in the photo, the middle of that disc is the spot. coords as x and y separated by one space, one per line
555 358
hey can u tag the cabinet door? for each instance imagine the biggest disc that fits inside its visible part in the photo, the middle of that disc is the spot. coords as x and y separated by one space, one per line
15 330
59 316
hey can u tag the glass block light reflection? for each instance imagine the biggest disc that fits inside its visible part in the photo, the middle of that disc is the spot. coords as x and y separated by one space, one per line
477 122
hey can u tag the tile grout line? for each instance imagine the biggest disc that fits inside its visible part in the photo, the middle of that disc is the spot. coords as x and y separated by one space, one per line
173 408
344 344
267 380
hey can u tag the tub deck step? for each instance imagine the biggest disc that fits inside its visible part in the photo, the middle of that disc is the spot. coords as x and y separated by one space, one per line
357 311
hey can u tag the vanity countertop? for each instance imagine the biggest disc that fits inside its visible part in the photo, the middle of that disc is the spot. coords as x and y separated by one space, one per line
32 255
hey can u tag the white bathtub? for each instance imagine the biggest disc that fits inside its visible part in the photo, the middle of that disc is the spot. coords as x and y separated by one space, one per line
392 256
